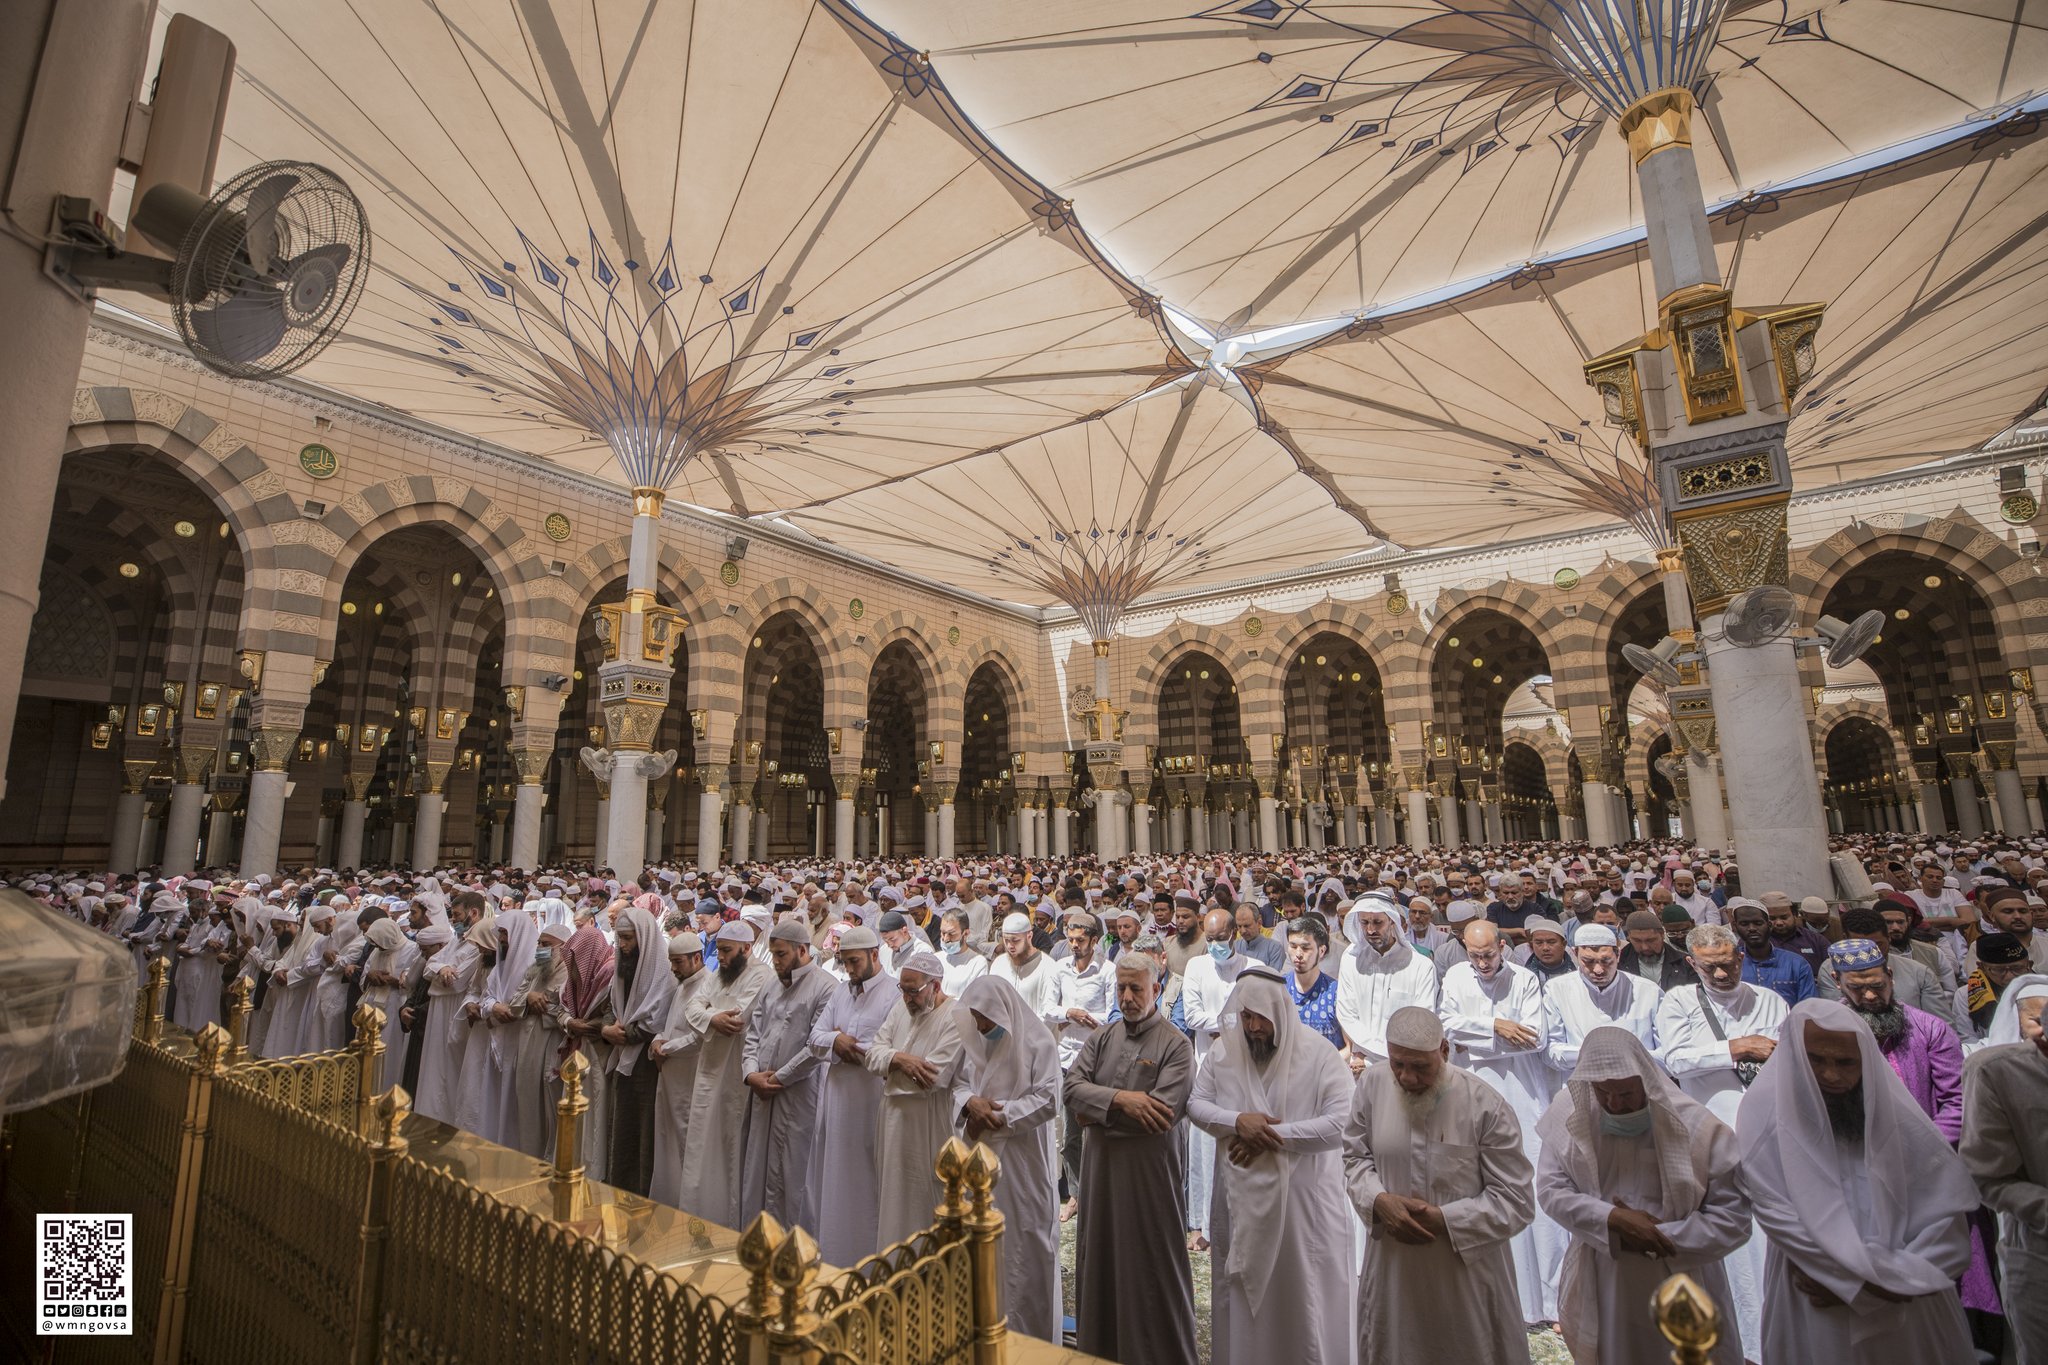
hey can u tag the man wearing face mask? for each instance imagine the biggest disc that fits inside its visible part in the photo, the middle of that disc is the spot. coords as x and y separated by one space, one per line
962 960
919 1053
713 1155
1012 1083
1648 1185
1599 993
1206 986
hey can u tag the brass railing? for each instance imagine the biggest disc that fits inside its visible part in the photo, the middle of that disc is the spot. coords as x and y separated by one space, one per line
282 1213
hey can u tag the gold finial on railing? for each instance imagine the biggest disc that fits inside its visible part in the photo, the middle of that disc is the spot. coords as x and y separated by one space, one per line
387 1115
368 1046
153 1000
758 1245
215 1047
566 1184
793 1267
984 1226
238 1018
1687 1318
951 1168
393 1108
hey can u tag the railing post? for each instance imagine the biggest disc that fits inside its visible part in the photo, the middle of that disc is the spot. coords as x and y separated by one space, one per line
566 1183
984 1225
758 1245
387 1145
213 1047
151 1028
1688 1319
793 1267
951 1168
368 1046
238 1021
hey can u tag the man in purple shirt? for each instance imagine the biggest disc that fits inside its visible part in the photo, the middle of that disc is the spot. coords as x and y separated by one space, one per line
1928 1057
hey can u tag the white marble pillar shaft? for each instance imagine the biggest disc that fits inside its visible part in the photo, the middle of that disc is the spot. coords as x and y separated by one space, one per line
764 826
1269 825
526 811
710 805
742 832
1774 808
602 834
1141 828
1961 790
2011 801
1447 817
426 831
842 828
651 849
126 833
348 847
263 825
931 831
220 832
181 828
948 818
1418 818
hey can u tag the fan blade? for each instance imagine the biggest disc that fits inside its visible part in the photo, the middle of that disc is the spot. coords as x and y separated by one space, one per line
260 218
245 329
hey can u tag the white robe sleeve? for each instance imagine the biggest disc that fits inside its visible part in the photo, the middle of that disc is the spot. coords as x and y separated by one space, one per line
1506 1202
1687 1045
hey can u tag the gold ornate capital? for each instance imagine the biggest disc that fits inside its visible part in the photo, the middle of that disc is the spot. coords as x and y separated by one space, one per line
436 775
1732 549
1101 648
1962 765
1658 122
270 747
532 765
945 791
647 502
711 777
1416 775
632 722
134 773
2001 755
845 785
192 765
1670 559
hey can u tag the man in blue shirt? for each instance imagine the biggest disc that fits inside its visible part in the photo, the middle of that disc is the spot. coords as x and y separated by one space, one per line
1764 963
1308 943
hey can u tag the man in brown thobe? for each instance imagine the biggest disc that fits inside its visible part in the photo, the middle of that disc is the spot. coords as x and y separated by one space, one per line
1133 1293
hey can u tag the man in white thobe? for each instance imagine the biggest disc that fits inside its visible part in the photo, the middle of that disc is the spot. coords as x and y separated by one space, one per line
842 1170
1084 988
712 1157
1599 993
1013 1078
1021 964
675 1051
1276 1097
1647 1183
1379 973
783 1080
1205 988
1714 1038
1500 1027
1862 1197
1433 1162
2005 1145
919 1052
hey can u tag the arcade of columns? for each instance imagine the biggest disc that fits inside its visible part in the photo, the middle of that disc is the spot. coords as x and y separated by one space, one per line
238 663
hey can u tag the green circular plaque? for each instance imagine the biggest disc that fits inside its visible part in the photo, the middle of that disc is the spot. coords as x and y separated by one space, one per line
952 635
557 526
2019 508
729 573
319 462
856 609
1566 579
1397 604
1253 625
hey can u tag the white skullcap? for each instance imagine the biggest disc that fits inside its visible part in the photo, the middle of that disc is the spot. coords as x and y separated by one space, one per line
1542 924
685 944
1415 1028
1460 911
558 932
736 931
924 961
859 936
1014 923
1593 936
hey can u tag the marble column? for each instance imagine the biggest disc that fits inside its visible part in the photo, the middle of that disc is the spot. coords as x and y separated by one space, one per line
1141 829
348 842
1962 790
431 806
931 826
1447 817
270 748
188 803
323 840
742 828
1269 824
1417 801
845 787
1710 818
528 801
710 806
657 826
1201 829
1062 833
764 824
947 817
2010 801
220 832
2034 813
124 838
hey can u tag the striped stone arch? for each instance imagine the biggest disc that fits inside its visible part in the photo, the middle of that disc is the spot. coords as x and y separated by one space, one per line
1287 635
2015 593
1834 713
1636 766
220 460
101 584
1551 755
991 651
1260 708
845 679
1519 602
1604 597
942 702
295 608
150 546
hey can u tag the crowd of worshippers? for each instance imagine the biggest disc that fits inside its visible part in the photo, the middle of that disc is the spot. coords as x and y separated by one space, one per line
1529 1081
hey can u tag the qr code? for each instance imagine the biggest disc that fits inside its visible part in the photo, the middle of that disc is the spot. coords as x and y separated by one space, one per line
84 1265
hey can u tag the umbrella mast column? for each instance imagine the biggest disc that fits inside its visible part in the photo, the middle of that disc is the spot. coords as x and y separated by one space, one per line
1708 395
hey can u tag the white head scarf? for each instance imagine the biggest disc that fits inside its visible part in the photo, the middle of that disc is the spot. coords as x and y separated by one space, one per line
1290 1086
1796 1172
1024 1056
2005 1024
1368 958
642 1006
1681 1125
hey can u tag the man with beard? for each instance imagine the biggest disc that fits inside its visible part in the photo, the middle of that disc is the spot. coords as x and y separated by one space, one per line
782 1078
1910 938
712 1156
1649 956
1545 952
2006 911
1434 1164
1023 965
675 1050
1790 931
1863 1199
2005 1144
2001 960
842 1173
918 1052
1685 892
1599 993
640 991
1277 1097
1133 1291
1912 983
1380 973
1715 1038
1186 940
1764 963
1499 1025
